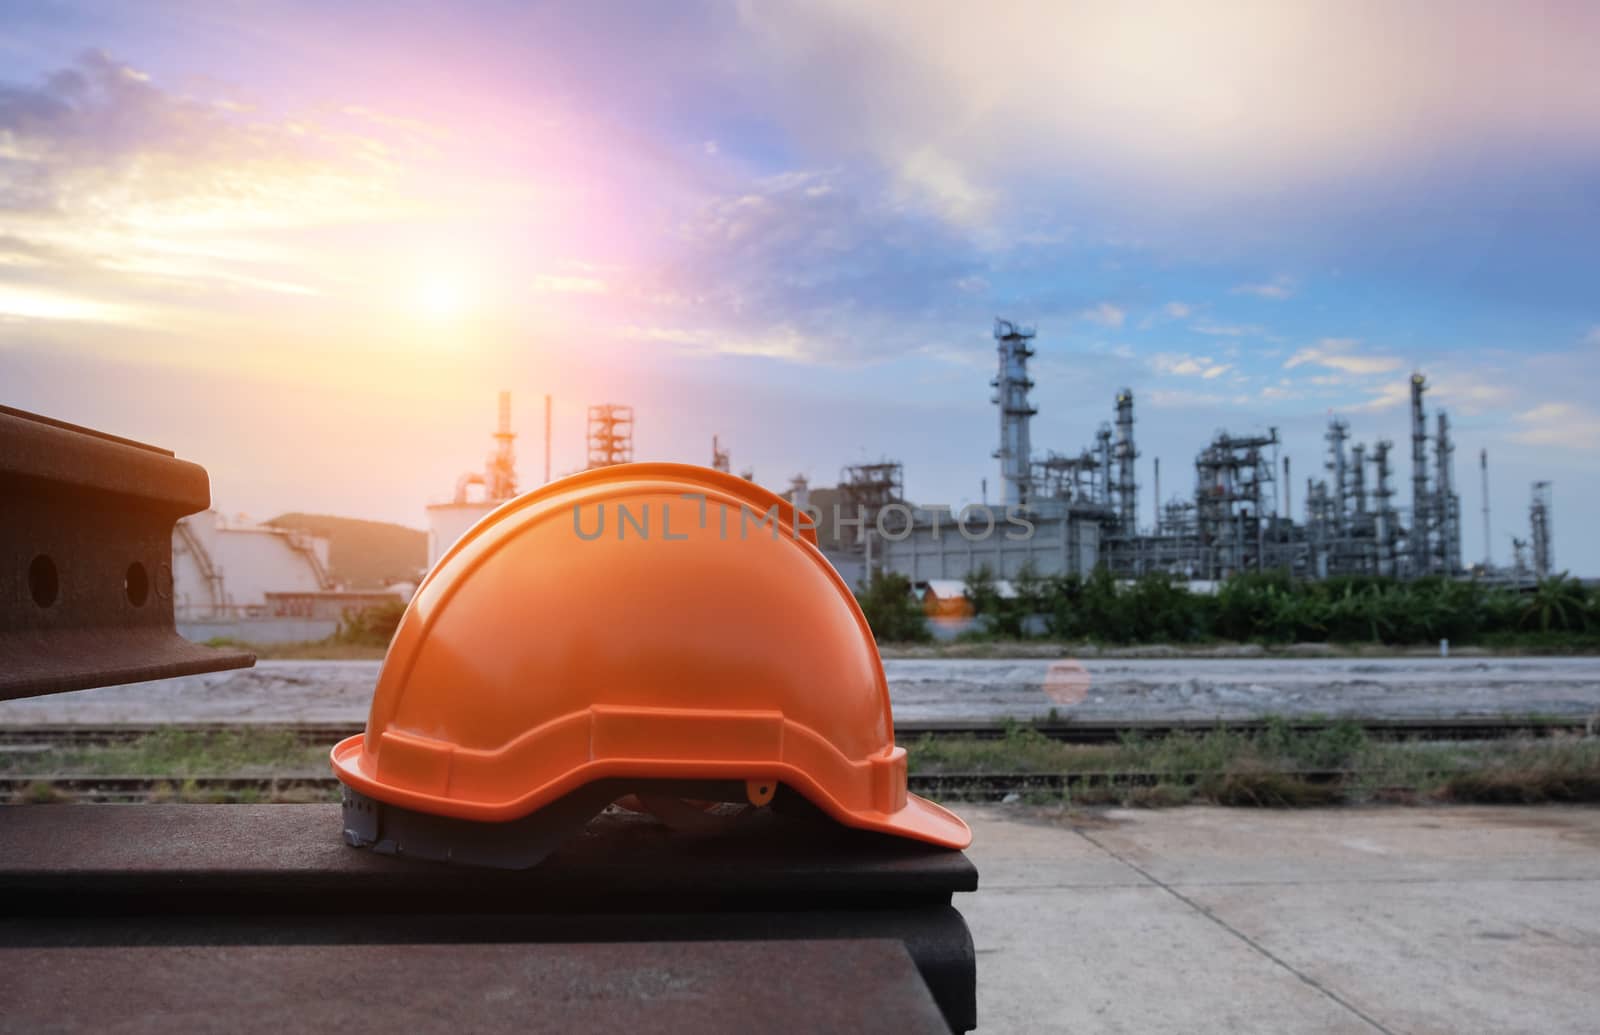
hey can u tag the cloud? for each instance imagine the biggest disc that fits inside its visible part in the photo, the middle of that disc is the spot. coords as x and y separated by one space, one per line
1184 365
20 303
124 191
1178 310
1278 288
1105 314
1166 398
1338 354
1227 330
101 134
1559 424
1593 337
812 265
568 285
1200 100
945 186
1473 391
782 342
1385 397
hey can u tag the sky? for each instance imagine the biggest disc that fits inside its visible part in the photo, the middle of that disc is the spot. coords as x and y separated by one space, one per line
306 244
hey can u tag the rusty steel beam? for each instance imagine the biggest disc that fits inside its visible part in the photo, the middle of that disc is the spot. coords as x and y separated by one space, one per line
84 876
86 524
708 988
279 874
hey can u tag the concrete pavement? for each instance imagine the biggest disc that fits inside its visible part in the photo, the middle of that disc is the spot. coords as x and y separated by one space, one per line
1347 920
921 689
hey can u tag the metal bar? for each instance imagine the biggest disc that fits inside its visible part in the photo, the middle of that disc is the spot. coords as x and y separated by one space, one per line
86 559
722 986
246 874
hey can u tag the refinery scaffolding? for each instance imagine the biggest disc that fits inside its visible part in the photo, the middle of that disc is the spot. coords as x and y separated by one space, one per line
871 487
1084 504
1539 521
1014 343
610 435
1234 497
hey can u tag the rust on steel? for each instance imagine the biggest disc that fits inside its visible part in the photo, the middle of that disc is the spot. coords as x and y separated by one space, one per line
86 524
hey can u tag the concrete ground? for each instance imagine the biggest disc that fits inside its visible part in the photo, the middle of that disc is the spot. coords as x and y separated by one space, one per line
1348 920
921 689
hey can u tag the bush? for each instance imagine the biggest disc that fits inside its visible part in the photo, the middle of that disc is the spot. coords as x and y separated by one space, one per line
371 626
1272 607
892 610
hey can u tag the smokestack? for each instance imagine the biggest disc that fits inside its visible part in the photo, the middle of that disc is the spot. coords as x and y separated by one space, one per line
1446 504
500 480
1014 344
1158 495
1483 467
1288 492
1358 482
1421 514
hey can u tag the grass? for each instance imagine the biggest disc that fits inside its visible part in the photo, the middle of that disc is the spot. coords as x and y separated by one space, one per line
179 753
1280 766
311 650
998 647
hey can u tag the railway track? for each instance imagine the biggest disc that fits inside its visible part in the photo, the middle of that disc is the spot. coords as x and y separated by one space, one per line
19 742
1078 731
310 787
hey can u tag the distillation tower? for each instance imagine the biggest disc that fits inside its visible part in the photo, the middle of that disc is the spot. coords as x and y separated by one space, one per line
1014 344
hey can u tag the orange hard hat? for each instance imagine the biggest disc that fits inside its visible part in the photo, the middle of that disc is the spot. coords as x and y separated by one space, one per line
639 622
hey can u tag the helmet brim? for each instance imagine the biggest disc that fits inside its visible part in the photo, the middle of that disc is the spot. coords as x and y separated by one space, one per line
920 820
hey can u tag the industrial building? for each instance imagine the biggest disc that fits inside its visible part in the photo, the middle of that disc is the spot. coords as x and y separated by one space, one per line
225 567
1070 513
608 441
258 583
478 492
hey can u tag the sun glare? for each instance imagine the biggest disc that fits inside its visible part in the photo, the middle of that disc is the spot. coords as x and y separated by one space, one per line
443 297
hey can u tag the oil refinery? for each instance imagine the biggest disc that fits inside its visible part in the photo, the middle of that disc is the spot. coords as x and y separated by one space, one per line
1083 506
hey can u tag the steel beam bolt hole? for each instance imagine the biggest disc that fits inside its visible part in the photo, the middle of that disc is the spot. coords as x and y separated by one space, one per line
43 581
136 583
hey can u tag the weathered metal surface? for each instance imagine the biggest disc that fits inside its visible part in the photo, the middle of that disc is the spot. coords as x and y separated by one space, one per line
63 855
86 559
279 874
712 987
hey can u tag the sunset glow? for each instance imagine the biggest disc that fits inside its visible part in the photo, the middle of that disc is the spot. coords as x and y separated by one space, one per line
335 233
443 297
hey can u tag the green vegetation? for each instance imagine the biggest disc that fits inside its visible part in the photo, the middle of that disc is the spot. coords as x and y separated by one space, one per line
1276 766
891 610
371 626
1281 766
177 752
362 635
313 650
1272 608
